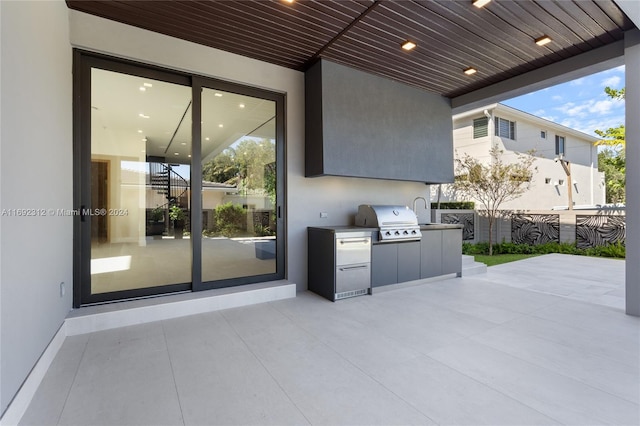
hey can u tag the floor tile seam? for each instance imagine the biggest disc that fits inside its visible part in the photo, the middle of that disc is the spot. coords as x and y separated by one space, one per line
357 367
543 337
556 373
497 390
173 373
73 382
477 317
266 369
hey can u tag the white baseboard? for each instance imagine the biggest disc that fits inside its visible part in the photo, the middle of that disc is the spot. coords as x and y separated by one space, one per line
21 401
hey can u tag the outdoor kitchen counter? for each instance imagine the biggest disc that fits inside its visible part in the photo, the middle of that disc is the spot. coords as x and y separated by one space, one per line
439 226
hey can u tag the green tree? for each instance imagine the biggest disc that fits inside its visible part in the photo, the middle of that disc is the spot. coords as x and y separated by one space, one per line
613 164
494 183
613 136
612 160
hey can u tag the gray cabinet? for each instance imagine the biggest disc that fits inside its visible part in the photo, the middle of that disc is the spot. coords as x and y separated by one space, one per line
441 252
393 263
384 264
431 254
452 251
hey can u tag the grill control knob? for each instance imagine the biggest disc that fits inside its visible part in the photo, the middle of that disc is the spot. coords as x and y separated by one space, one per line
413 232
387 233
397 232
406 233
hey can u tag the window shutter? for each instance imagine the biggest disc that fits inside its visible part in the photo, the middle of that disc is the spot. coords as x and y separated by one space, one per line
480 127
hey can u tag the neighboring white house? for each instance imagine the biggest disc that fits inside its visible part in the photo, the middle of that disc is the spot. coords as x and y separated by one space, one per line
515 132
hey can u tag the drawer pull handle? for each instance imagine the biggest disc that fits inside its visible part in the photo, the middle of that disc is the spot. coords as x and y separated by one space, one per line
354 241
351 268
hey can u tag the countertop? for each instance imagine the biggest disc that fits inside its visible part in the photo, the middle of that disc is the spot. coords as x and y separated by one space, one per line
353 228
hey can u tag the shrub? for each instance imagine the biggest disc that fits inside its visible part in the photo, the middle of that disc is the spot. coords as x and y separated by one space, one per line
230 219
455 205
616 250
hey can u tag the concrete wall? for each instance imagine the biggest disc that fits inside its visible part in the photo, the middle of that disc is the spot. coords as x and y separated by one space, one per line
35 172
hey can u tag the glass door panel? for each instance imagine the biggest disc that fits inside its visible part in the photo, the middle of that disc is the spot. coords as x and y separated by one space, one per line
238 140
140 182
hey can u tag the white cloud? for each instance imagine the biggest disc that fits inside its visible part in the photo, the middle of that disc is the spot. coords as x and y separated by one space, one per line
539 112
600 107
613 81
577 82
557 97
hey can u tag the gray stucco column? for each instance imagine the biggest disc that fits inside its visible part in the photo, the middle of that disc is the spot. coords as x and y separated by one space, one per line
632 133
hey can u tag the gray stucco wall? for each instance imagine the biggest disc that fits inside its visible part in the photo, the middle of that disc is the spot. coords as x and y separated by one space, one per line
35 173
362 125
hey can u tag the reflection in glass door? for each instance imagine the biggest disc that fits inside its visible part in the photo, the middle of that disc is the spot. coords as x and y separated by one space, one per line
238 155
140 190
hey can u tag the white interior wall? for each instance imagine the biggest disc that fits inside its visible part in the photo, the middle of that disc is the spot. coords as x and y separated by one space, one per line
35 173
306 197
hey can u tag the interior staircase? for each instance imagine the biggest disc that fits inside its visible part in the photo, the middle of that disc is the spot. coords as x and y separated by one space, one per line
167 182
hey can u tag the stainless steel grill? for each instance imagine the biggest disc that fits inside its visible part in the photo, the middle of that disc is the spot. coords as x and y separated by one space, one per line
395 223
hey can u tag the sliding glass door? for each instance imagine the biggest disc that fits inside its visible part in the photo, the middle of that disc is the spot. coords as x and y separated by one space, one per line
178 184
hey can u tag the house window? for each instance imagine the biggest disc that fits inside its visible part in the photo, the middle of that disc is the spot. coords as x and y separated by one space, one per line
480 127
543 134
506 128
560 145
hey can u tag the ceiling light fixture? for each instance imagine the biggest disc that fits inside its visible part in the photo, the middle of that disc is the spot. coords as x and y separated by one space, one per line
288 1
541 41
143 116
408 45
480 3
147 84
206 139
143 89
175 153
241 105
470 71
219 95
220 125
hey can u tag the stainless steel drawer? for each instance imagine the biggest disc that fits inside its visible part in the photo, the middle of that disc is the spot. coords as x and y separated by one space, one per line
353 277
353 250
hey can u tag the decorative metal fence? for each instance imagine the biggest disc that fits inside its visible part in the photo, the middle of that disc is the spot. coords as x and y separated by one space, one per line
535 228
597 230
467 220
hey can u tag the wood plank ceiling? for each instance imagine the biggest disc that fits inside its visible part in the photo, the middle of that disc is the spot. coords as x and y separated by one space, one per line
497 40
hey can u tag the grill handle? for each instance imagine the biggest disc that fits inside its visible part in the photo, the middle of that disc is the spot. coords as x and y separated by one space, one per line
351 241
351 268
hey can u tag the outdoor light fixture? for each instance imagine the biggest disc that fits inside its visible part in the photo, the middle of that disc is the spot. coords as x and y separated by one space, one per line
541 41
470 71
408 45
480 3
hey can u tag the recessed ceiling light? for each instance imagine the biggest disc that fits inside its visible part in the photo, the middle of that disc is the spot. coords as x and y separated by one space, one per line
147 84
480 3
218 95
241 105
541 41
206 139
144 139
470 71
143 116
409 45
288 1
143 151
139 131
189 155
220 125
143 89
175 153
183 144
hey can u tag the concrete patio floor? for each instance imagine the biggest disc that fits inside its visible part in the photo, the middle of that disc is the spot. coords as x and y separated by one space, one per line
512 347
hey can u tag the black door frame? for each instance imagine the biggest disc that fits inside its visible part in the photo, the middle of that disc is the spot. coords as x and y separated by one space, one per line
83 62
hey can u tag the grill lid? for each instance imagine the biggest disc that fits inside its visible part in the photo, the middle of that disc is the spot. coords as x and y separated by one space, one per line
396 223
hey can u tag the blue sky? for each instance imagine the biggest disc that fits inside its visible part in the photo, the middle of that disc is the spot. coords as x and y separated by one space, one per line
580 104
